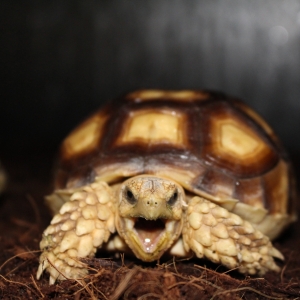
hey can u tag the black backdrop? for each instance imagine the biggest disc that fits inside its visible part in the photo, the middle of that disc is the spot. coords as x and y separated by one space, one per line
61 59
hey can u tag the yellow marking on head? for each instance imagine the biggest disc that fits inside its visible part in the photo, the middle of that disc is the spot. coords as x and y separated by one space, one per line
147 187
152 194
153 127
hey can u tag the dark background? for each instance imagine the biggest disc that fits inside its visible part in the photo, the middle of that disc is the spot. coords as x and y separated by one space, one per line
60 60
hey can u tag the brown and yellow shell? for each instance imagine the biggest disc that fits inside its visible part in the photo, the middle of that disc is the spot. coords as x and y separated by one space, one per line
213 145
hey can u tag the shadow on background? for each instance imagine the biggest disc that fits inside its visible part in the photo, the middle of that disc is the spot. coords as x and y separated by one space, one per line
61 60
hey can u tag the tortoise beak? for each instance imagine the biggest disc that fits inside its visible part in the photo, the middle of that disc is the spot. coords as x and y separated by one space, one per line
149 239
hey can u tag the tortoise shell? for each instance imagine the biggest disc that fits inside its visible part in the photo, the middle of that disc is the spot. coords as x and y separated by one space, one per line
213 145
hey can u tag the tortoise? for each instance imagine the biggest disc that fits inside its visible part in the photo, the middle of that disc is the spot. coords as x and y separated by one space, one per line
169 172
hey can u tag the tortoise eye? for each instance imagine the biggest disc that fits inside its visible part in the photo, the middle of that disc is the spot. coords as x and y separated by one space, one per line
173 198
129 196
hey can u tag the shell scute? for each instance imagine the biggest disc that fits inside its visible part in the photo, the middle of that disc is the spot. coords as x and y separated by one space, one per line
85 138
153 127
235 142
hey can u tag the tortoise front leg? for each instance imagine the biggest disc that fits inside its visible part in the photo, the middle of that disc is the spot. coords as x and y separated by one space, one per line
81 226
223 237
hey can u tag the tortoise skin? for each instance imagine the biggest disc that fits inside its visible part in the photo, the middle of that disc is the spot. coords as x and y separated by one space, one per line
213 145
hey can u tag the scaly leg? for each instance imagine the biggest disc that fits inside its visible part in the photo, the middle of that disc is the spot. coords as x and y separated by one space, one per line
81 226
223 237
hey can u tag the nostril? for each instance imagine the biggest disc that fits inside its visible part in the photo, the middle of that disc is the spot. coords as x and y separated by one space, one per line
151 203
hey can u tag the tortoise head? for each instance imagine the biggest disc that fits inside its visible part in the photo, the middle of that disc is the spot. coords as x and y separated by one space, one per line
149 215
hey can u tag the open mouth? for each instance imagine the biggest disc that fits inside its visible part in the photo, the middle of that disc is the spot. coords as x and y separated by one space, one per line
149 239
149 231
